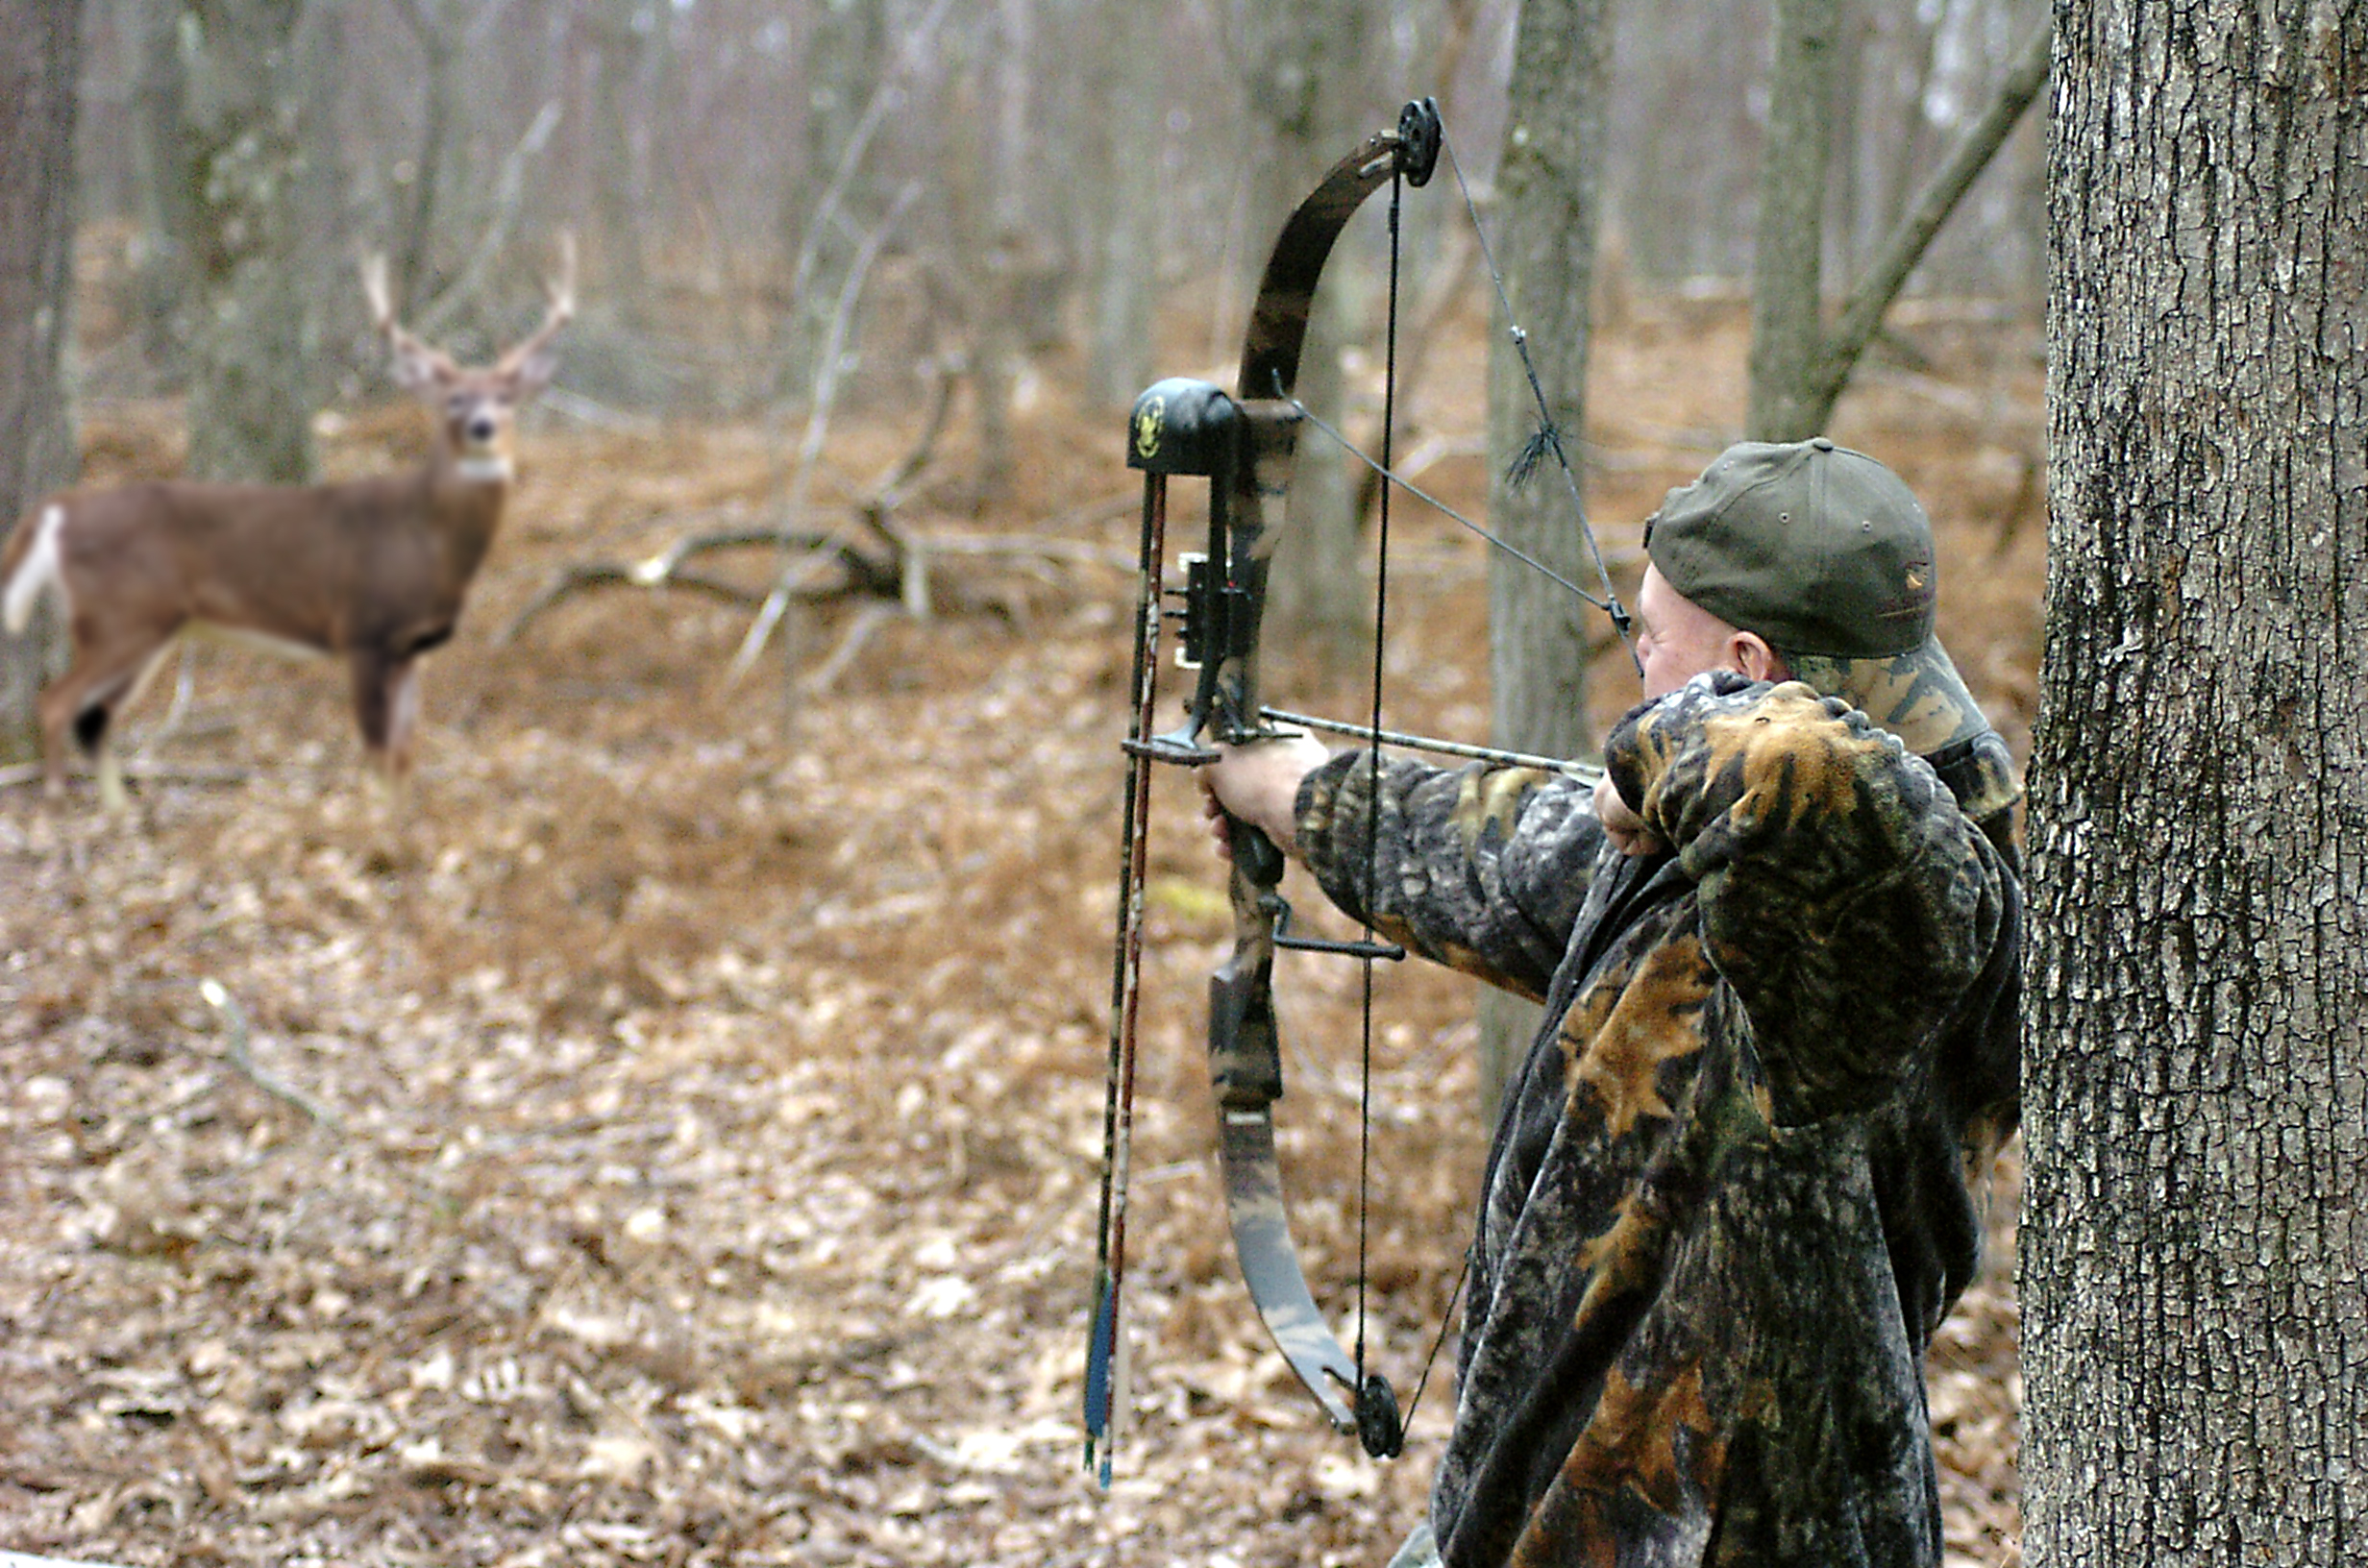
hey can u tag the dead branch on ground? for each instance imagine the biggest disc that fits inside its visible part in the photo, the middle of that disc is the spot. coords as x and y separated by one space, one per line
879 557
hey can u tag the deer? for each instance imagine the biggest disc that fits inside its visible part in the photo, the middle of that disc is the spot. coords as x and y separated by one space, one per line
373 572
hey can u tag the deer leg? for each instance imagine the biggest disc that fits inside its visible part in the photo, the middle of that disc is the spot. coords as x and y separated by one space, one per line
86 700
386 702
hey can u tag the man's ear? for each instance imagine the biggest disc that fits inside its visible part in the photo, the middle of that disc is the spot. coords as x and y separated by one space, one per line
1749 652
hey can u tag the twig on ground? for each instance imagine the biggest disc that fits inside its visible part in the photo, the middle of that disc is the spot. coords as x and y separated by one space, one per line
235 1020
819 682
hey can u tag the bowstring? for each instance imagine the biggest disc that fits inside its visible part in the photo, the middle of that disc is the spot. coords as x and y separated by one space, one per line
1395 481
1373 778
1545 440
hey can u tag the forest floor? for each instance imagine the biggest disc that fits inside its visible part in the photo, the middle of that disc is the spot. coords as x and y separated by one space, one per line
673 1135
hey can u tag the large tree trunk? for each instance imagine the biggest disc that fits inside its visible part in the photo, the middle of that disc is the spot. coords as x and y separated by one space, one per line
1548 200
2195 1331
41 60
242 158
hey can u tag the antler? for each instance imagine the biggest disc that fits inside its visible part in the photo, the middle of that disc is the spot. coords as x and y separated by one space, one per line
560 289
414 357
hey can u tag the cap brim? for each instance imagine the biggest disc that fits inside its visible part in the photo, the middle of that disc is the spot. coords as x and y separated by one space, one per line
1918 696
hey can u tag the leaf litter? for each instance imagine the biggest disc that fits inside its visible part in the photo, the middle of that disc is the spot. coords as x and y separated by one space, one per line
671 1134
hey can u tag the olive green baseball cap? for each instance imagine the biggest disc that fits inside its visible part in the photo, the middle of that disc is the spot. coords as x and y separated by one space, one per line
1828 554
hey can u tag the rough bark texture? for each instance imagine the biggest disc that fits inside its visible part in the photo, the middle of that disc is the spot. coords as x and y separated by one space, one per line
40 57
1546 218
2195 1328
250 408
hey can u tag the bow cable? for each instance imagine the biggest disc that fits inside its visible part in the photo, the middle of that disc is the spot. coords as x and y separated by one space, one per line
1548 436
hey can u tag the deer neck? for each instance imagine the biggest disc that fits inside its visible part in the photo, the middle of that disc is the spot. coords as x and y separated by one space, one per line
464 501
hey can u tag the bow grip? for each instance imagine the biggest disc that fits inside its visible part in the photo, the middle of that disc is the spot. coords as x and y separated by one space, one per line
1245 1062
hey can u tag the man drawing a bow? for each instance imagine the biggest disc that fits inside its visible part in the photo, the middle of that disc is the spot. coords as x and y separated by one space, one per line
1738 1181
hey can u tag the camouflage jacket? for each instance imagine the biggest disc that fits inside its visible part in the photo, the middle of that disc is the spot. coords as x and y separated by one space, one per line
1736 1185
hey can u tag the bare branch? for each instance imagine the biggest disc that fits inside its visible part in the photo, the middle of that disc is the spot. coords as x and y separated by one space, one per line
818 425
235 1020
1904 246
509 192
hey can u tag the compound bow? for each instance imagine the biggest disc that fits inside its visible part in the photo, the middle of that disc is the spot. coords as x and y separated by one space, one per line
1244 443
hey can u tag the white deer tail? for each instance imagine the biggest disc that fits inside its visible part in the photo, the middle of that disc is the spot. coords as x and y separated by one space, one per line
41 568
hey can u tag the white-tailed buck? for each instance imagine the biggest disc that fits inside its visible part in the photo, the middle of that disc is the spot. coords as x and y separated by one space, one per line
373 571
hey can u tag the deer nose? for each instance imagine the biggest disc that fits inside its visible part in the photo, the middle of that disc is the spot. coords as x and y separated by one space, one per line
481 428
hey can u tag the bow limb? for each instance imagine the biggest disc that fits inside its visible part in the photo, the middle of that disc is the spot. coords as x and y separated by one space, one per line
1245 1056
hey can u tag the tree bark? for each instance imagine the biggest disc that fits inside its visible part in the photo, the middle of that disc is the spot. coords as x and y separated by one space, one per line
40 63
1547 210
241 167
2196 1223
1787 257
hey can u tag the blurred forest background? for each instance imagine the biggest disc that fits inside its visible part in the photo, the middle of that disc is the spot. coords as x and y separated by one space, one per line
994 179
674 1137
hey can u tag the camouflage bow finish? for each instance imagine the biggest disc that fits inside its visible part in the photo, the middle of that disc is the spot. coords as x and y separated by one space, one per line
1246 445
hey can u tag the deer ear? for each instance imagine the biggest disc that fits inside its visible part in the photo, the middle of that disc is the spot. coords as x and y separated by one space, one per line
533 373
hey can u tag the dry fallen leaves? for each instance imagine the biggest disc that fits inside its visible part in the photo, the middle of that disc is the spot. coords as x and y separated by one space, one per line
714 1089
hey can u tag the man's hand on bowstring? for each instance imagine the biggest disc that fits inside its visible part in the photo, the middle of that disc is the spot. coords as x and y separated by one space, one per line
1259 784
1622 826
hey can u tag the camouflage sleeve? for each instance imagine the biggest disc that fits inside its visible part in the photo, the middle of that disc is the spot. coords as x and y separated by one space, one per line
1483 868
1843 895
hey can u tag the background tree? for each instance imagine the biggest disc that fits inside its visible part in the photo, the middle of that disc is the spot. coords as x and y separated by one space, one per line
1305 68
1799 366
240 165
40 57
436 26
1548 196
1130 194
2197 1073
160 198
